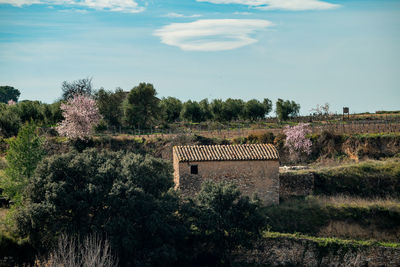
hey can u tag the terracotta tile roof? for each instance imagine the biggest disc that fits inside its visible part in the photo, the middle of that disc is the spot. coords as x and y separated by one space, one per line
226 152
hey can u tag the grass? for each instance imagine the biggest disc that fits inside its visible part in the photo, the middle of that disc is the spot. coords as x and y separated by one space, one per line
328 241
368 179
342 201
338 216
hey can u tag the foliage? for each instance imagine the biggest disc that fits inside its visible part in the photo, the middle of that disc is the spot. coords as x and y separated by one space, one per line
30 111
110 105
171 108
9 93
254 109
24 154
378 218
367 179
192 111
332 242
286 109
224 221
18 250
296 140
93 251
123 196
78 87
141 108
80 115
9 121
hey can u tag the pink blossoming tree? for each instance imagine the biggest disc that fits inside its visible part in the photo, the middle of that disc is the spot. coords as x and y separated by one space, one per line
80 115
296 140
11 102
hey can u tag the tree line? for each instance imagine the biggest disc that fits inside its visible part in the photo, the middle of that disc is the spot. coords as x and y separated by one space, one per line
139 108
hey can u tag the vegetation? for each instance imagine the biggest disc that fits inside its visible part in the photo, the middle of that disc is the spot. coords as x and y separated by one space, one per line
286 109
127 198
122 204
8 93
78 87
366 179
24 154
338 216
141 106
332 242
80 116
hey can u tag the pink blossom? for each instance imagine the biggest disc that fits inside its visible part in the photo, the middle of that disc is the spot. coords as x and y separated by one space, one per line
296 139
80 115
11 102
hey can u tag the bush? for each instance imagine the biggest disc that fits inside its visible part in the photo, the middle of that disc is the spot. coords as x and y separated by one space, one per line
9 122
24 153
17 251
223 221
123 196
93 251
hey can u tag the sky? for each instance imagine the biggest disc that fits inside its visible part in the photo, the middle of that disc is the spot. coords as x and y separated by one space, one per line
341 52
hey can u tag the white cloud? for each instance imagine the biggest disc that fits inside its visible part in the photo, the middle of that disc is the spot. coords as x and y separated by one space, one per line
211 35
178 15
129 6
295 5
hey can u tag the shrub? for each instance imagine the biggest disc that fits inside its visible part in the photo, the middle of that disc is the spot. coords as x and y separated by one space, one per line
9 122
123 196
24 154
224 221
93 251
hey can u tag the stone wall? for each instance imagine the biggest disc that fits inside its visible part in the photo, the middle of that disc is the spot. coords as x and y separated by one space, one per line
251 177
288 251
294 184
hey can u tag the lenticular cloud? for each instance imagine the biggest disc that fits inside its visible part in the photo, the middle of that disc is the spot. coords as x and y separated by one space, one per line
211 35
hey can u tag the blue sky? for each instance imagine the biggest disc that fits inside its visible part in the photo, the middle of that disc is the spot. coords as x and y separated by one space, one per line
346 53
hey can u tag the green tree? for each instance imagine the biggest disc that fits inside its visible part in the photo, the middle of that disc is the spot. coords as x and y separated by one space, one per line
123 196
30 111
224 221
171 108
205 107
217 106
191 111
78 87
232 109
24 154
9 120
110 105
254 110
8 93
267 106
286 109
141 107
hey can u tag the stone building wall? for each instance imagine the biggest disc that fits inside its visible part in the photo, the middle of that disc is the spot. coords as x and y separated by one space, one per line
252 177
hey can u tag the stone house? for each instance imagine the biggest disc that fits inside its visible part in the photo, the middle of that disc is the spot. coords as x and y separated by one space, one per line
254 168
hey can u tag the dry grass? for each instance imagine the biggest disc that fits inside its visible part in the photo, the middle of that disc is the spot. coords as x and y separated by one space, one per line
357 202
347 230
